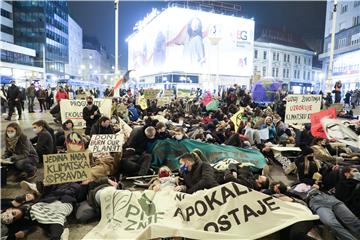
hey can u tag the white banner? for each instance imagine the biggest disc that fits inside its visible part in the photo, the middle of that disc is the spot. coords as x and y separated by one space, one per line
73 110
300 107
229 211
106 143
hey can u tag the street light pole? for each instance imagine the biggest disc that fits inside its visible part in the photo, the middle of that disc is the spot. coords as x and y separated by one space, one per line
332 44
44 65
116 93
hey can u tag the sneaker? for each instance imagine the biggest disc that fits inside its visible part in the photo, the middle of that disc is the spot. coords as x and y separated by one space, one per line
29 187
65 234
8 119
290 169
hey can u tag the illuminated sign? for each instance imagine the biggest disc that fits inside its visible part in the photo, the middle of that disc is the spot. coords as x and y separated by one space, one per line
346 64
195 42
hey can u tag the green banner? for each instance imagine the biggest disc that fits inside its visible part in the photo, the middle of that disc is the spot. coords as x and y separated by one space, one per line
167 152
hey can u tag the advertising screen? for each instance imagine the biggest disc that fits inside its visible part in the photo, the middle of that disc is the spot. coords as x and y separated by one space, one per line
190 41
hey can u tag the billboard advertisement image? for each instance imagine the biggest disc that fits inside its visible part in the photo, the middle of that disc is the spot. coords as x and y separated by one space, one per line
185 40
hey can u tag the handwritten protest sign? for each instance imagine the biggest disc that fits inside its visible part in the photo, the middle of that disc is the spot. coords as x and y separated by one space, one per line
300 107
73 110
106 143
151 94
237 118
163 101
229 211
168 93
316 127
66 167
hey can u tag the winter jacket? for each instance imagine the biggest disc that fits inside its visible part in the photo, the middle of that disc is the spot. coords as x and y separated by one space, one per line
13 93
61 95
23 150
348 191
90 121
98 129
200 177
41 94
30 91
45 144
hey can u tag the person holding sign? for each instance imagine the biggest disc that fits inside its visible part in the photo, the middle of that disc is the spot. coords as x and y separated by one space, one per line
91 114
19 153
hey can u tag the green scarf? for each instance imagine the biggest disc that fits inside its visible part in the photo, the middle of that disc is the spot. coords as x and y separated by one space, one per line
12 143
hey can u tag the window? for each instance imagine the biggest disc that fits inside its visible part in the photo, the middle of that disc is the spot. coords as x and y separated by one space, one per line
277 72
255 69
284 57
344 8
273 72
264 56
341 42
284 72
6 14
298 74
356 20
295 59
256 54
274 56
355 39
287 73
342 25
356 4
6 29
277 56
264 71
308 76
304 75
294 73
288 58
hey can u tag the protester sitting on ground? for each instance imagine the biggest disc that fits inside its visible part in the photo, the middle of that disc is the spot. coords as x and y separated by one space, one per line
67 126
161 131
197 175
91 114
322 154
271 126
44 142
19 153
164 180
140 136
102 126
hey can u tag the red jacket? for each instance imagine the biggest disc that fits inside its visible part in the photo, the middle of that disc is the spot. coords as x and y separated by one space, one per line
61 95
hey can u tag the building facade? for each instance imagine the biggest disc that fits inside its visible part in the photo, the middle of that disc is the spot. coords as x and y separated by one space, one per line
346 64
73 68
283 57
43 26
17 62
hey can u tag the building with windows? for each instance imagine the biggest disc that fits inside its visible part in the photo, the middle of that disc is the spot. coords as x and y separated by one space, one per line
17 62
73 68
284 57
346 64
43 26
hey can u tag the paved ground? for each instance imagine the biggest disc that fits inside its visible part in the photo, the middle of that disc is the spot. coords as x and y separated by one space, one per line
77 231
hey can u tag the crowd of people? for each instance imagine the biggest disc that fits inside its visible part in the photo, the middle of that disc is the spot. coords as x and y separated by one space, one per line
327 174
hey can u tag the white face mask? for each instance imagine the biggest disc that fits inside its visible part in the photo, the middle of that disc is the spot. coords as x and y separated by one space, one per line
178 137
11 135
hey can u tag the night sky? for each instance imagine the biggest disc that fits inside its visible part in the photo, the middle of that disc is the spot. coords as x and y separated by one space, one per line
307 18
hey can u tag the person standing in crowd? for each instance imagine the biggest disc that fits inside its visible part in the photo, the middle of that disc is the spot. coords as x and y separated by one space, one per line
14 100
61 94
23 98
91 114
337 90
49 98
45 143
41 95
4 103
19 153
31 92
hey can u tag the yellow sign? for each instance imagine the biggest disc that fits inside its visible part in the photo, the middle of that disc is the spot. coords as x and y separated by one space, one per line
236 118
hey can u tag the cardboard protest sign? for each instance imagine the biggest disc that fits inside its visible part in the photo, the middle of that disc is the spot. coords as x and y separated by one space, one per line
300 107
73 110
237 118
316 127
264 134
151 94
66 167
229 211
142 102
183 93
106 143
161 102
335 129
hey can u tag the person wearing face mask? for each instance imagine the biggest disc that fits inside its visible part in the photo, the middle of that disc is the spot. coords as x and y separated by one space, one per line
179 133
45 142
19 153
197 175
271 126
347 189
91 114
14 100
102 126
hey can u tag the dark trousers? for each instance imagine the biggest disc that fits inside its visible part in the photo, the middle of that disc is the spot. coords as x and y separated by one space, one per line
54 230
42 104
337 97
12 105
31 104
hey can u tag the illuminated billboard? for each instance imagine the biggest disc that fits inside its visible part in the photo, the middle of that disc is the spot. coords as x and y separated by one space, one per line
190 41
